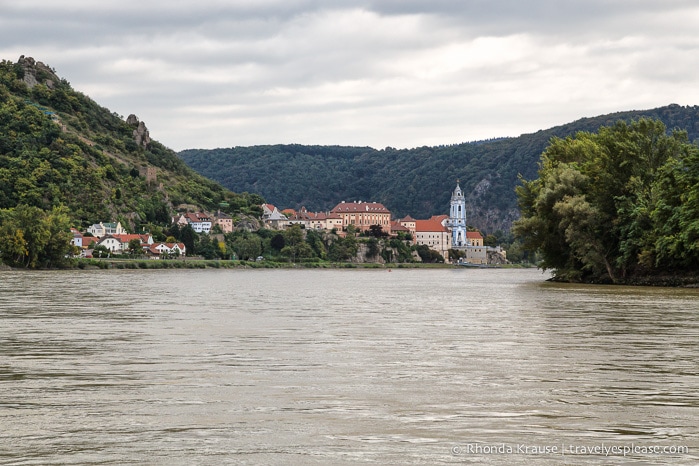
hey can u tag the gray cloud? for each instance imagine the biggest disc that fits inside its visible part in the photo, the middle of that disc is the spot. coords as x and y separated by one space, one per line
403 73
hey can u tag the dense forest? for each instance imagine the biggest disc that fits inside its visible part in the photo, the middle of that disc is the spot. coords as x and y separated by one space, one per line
65 161
616 205
416 182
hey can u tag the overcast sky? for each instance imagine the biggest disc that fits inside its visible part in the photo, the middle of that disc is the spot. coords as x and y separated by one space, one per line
400 73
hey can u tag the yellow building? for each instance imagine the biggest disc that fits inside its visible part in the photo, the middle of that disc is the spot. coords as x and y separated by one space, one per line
363 215
474 238
409 223
476 253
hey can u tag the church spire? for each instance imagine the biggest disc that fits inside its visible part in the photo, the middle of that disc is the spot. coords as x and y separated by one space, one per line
457 217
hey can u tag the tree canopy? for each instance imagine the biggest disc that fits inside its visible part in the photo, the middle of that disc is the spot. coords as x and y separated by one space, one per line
33 238
619 203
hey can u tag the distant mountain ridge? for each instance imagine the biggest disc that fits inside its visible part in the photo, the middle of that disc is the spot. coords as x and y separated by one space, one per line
415 181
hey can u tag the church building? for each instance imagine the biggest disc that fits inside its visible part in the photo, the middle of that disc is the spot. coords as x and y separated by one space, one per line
469 241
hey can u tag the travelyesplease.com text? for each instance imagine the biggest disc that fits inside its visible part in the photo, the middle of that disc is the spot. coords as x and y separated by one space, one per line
603 449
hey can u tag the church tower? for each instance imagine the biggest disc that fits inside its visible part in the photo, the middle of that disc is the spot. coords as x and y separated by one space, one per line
457 218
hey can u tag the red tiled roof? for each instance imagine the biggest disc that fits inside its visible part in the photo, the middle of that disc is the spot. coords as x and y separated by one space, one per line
298 216
473 235
360 207
429 225
127 238
397 226
197 217
87 240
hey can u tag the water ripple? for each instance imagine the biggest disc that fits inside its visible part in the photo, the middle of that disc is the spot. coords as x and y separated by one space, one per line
339 367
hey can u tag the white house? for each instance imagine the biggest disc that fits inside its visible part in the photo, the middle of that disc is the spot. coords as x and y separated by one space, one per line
177 249
77 238
111 243
100 229
199 221
145 239
272 218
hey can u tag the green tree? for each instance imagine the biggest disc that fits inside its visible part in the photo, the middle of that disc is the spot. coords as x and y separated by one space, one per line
135 248
675 216
428 255
295 245
373 248
101 251
456 254
377 231
188 236
315 240
603 205
58 245
343 249
293 235
206 247
490 240
277 242
299 251
33 238
248 247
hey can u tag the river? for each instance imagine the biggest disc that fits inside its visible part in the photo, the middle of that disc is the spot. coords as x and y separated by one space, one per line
409 366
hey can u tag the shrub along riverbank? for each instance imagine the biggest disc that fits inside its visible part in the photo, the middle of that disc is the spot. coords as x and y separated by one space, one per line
235 264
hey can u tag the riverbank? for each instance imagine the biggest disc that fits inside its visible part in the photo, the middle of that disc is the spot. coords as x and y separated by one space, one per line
690 280
227 264
145 264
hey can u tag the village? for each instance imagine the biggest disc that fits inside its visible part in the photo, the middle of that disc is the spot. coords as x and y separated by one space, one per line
446 235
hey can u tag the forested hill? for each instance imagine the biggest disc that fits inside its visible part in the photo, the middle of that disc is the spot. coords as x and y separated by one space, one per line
417 181
58 148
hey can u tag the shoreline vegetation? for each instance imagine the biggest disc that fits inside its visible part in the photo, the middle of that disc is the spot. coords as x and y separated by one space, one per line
241 264
620 206
145 264
665 280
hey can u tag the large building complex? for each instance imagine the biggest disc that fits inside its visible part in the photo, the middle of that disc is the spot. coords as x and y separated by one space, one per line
440 233
363 215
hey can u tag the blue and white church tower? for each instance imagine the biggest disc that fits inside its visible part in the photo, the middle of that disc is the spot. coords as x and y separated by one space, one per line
457 218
